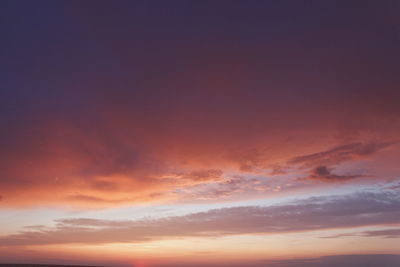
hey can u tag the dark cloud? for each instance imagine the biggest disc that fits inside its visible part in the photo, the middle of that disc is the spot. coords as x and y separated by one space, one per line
323 173
339 154
319 165
316 213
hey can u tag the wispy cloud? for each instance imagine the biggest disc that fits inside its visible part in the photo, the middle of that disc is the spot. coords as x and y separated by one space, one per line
310 214
339 154
385 233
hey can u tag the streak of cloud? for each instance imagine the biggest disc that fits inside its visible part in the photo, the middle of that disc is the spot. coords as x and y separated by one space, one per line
316 213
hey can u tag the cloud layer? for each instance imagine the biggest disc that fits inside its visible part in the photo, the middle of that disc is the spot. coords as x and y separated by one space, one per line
316 213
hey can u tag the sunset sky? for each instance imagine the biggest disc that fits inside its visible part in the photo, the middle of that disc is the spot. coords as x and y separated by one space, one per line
200 133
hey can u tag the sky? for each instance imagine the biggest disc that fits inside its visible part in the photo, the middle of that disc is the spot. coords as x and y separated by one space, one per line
200 133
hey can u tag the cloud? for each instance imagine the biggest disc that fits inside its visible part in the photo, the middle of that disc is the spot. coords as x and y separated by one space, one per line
386 233
92 199
316 213
119 158
339 154
199 175
394 187
248 158
224 188
319 165
323 173
204 175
